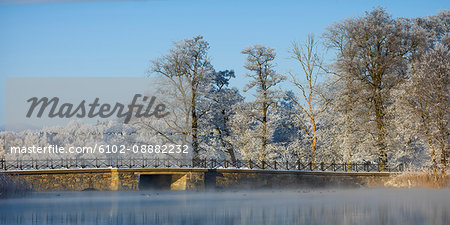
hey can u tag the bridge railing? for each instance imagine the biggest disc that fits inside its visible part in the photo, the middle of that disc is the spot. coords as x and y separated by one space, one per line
90 163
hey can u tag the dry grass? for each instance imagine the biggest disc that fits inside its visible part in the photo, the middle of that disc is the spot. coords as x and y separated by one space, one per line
422 179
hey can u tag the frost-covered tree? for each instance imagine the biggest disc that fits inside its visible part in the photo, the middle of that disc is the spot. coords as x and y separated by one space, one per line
433 29
246 139
215 126
259 61
175 128
374 50
344 133
287 135
426 97
286 131
187 62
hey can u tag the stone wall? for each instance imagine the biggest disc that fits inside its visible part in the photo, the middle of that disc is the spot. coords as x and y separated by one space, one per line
128 180
293 179
73 180
79 180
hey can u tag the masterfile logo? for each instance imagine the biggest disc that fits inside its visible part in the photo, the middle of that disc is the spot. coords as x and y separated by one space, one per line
95 109
33 103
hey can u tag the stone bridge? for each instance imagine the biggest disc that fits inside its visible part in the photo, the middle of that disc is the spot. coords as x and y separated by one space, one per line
124 179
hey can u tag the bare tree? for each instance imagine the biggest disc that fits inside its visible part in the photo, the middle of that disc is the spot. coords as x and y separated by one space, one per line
310 64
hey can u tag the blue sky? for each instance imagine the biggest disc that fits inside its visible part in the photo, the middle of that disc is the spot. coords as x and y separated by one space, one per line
120 38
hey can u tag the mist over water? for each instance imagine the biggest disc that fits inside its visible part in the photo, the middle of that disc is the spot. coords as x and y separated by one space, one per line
329 206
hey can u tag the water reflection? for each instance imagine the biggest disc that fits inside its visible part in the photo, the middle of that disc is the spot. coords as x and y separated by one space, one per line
354 206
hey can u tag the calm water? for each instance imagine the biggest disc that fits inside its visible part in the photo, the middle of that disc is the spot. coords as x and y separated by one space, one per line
353 206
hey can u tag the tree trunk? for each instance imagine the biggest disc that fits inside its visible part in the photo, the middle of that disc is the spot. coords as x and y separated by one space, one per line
433 154
314 138
232 156
228 146
313 156
430 144
379 118
443 156
194 124
262 156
